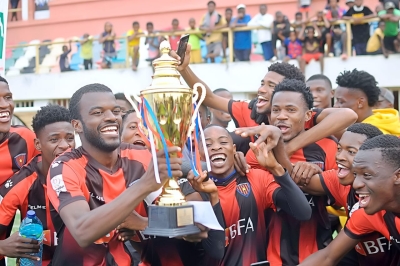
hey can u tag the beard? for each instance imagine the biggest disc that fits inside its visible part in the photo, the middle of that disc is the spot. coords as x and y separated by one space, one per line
94 138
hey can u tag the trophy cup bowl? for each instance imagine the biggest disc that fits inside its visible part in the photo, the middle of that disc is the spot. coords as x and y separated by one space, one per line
167 114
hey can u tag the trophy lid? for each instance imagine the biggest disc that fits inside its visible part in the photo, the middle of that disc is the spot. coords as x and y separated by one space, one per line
166 76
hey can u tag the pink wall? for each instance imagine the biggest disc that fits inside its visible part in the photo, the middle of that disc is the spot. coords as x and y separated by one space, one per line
70 18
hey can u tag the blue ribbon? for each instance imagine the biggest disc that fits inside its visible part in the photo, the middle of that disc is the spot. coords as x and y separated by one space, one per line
154 118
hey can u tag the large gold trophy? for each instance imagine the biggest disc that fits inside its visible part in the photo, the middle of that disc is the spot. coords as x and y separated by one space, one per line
167 119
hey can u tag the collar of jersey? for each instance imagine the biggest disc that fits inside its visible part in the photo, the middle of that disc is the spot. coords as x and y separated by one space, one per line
224 181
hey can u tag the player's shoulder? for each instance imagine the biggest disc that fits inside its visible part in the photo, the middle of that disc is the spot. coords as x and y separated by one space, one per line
329 142
129 150
23 132
260 176
28 171
73 158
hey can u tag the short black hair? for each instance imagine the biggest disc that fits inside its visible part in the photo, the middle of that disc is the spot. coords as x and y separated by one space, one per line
175 20
287 70
388 145
121 96
125 116
360 80
149 24
220 90
229 9
298 14
321 77
49 114
213 125
77 96
211 2
367 130
295 86
135 23
3 80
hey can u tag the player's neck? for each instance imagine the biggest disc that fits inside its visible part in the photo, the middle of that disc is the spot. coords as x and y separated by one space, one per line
43 169
105 158
225 178
2 137
364 115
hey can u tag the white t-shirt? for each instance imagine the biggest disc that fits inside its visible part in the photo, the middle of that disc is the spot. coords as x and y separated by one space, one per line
264 21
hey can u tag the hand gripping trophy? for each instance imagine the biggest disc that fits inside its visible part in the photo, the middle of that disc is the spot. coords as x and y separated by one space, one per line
168 111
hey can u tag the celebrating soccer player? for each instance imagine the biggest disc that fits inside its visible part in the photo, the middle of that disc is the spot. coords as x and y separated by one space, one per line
55 135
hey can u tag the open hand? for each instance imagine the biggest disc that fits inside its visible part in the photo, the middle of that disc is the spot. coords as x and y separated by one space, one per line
269 135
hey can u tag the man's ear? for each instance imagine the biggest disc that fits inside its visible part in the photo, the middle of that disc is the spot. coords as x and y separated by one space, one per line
397 177
308 115
77 125
38 146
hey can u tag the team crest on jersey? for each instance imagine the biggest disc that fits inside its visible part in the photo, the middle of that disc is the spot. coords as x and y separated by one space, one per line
243 189
20 160
319 164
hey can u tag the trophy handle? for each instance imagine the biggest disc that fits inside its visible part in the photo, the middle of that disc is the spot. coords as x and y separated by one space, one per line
134 105
200 100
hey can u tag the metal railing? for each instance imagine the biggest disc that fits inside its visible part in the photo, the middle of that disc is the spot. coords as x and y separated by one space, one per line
228 30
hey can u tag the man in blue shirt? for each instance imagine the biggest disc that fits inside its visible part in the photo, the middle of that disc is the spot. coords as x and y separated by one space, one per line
242 39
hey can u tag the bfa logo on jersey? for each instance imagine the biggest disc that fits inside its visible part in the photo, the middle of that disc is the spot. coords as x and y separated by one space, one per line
20 160
244 189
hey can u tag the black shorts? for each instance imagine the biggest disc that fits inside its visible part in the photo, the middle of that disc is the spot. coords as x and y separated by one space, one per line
388 42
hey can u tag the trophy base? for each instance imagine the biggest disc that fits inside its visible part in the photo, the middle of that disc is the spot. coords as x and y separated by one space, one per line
171 221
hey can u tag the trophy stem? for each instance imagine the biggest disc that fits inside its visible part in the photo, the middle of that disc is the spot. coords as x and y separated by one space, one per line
171 195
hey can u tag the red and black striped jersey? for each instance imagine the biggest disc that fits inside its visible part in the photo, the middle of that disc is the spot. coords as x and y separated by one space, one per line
16 150
26 190
374 249
291 241
243 201
361 226
76 175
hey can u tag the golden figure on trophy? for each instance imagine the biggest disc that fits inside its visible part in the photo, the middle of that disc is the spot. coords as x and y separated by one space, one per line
169 113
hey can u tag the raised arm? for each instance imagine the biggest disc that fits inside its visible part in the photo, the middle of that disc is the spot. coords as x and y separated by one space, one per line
87 226
331 121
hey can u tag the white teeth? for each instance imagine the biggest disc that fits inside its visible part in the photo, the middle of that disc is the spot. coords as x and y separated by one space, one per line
262 98
111 128
218 156
4 114
363 195
342 166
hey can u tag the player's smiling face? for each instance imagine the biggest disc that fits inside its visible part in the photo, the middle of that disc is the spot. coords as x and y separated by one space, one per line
54 139
347 149
101 120
6 108
221 151
289 113
375 181
130 130
268 83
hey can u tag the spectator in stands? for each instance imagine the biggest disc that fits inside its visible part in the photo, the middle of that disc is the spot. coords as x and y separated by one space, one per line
375 43
153 42
87 51
228 18
334 5
194 40
281 31
218 117
326 37
298 22
360 29
294 47
395 2
242 39
338 32
134 43
374 24
350 3
321 89
386 99
391 16
265 20
64 61
211 22
14 5
397 43
305 6
311 46
174 38
107 38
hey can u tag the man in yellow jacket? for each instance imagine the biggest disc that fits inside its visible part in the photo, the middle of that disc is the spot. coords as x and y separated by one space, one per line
358 91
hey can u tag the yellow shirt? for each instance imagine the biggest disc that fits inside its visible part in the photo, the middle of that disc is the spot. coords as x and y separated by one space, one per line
387 120
87 49
374 44
134 41
215 36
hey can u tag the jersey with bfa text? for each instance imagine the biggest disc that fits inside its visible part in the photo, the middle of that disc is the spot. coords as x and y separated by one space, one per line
76 175
361 225
240 112
291 241
243 201
26 190
16 149
374 248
